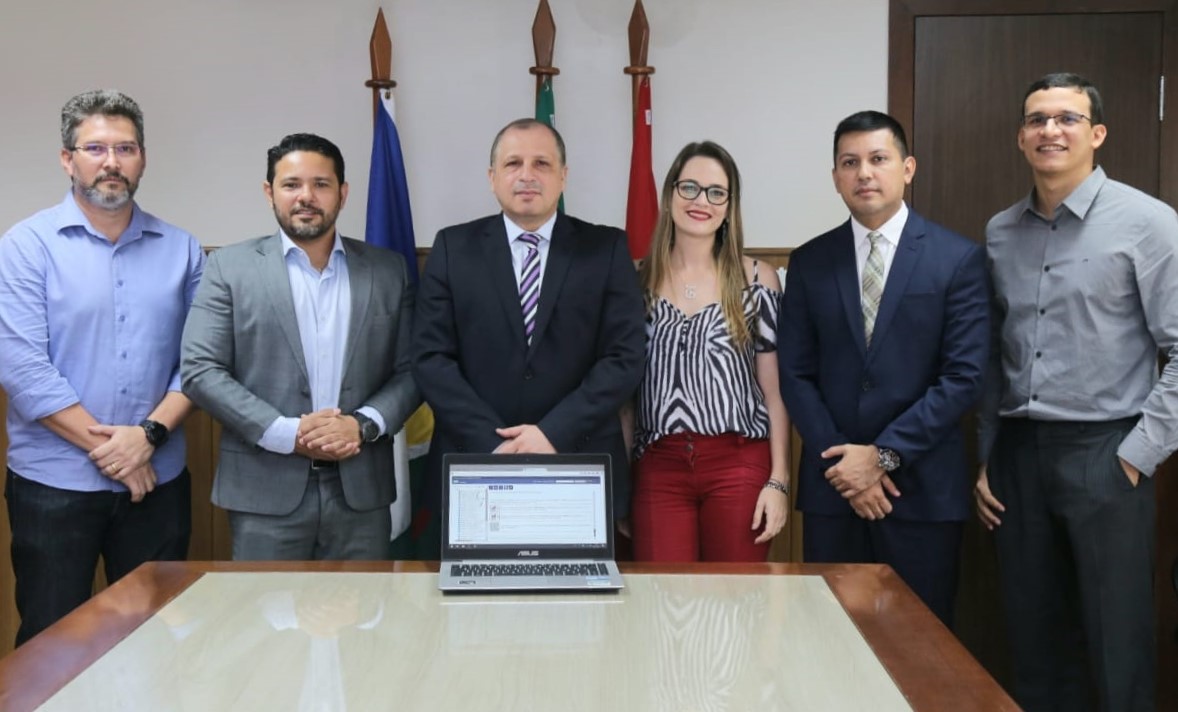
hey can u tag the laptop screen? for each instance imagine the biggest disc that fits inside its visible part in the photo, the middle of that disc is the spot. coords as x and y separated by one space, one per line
527 506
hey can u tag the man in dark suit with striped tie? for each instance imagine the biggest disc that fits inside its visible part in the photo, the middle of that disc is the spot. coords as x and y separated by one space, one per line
529 333
882 343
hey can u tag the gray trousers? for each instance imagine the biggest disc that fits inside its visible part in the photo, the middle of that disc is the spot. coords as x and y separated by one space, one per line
322 527
1076 555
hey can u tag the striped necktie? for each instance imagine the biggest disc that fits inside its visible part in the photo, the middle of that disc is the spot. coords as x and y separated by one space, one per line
529 282
873 284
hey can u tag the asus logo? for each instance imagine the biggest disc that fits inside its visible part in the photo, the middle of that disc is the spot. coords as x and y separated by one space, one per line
528 552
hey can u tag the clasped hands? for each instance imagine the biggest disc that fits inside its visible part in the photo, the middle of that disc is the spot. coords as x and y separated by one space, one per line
125 457
523 439
327 434
858 478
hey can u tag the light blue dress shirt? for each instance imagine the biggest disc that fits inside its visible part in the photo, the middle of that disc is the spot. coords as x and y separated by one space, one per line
84 320
323 309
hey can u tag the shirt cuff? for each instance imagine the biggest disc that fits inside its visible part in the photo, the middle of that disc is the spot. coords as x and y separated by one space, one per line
280 436
1138 452
375 416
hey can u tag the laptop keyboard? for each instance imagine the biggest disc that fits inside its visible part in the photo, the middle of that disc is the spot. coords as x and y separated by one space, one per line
552 569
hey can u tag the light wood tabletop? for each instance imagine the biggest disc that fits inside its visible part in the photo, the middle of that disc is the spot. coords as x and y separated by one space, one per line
257 636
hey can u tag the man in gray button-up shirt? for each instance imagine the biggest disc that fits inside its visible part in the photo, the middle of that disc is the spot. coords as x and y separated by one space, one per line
1075 419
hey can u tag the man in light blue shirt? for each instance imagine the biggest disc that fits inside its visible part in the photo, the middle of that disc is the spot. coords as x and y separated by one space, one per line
93 297
298 343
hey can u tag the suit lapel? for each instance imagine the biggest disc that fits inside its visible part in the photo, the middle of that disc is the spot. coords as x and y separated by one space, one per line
847 276
499 269
903 265
276 282
360 286
560 256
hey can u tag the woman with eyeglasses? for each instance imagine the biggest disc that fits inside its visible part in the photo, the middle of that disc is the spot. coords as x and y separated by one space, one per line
711 432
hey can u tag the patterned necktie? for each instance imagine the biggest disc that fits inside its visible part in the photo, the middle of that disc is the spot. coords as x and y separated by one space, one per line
873 284
529 282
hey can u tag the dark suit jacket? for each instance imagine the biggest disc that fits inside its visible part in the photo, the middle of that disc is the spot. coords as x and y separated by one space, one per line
476 370
907 392
241 359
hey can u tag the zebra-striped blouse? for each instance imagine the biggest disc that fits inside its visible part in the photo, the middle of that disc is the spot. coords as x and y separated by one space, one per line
696 380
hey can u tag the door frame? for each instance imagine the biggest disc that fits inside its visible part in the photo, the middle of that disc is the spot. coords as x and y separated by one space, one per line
902 16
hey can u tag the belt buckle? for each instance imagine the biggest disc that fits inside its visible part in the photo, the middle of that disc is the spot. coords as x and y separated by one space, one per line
320 465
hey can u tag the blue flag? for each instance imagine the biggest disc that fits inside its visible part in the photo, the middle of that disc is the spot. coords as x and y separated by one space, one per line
390 223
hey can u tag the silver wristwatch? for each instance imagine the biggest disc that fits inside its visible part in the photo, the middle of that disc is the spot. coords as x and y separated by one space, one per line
889 460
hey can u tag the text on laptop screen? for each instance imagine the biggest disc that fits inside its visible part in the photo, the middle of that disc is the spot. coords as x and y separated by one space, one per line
509 505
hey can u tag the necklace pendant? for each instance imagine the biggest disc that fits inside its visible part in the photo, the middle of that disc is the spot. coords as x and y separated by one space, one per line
689 291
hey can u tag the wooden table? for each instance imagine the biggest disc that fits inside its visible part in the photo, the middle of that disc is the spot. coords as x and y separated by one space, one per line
928 666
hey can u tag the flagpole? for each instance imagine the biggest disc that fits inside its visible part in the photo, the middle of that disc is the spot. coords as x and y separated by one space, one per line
641 196
639 44
543 44
380 53
389 225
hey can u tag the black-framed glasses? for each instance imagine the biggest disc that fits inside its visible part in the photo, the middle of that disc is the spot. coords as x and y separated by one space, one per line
1065 120
101 150
690 190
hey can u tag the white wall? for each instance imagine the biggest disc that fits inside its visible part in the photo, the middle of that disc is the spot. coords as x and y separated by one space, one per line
222 80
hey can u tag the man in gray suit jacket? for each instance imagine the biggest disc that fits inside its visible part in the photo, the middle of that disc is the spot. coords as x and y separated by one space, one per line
298 343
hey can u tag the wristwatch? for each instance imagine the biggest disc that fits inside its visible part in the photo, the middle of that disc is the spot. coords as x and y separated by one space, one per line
369 430
157 433
889 460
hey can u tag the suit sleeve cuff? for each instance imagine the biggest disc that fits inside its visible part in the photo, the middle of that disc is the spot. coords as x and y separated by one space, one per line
374 415
280 436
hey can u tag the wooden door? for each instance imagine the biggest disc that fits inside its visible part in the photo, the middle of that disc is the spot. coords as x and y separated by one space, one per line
957 74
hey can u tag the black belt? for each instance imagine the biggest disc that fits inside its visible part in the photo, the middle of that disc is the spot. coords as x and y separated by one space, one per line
323 465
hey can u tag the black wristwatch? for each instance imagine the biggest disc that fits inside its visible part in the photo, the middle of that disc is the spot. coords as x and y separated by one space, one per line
157 433
369 430
889 460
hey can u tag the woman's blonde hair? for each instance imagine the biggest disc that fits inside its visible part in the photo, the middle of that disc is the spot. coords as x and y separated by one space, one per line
727 252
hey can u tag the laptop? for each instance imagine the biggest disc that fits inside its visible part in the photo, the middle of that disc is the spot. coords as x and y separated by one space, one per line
527 523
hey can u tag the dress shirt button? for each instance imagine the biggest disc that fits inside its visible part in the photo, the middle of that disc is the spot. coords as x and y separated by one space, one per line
1047 268
119 283
1038 354
528 375
1035 397
122 317
123 391
866 386
1042 311
123 355
1054 227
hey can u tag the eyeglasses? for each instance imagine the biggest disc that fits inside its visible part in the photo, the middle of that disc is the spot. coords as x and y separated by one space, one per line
101 150
690 190
1066 120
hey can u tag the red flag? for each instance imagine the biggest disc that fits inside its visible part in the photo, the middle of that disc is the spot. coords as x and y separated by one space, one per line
642 203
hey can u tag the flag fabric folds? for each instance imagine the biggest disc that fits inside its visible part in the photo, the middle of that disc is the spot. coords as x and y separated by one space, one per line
546 114
390 224
642 204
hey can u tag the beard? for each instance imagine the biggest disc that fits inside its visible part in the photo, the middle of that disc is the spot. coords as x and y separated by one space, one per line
102 196
306 231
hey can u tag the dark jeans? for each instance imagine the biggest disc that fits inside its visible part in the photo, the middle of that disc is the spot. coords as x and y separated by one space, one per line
58 535
1075 553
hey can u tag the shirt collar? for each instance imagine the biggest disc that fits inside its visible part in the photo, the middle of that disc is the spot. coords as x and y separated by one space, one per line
514 231
1079 201
891 230
71 215
289 245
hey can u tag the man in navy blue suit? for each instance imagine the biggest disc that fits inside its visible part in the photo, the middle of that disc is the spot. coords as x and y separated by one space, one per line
882 341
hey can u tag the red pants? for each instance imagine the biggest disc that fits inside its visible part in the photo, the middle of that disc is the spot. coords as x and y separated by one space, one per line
694 497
